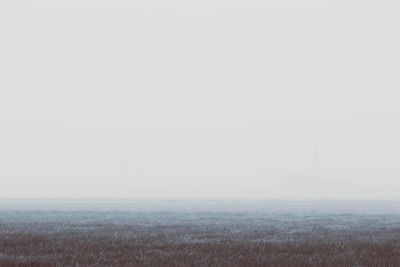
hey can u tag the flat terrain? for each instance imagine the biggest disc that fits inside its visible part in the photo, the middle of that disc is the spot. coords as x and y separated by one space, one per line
200 234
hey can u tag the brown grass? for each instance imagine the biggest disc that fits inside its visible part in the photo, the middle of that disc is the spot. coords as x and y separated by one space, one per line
197 239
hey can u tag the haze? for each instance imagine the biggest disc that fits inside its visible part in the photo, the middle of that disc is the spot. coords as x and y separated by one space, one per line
199 99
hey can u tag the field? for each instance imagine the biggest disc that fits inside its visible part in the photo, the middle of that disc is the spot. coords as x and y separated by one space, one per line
200 233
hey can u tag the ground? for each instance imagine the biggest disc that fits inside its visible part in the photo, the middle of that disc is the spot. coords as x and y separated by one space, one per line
214 237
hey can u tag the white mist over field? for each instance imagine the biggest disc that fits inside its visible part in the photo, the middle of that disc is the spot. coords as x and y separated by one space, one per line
199 99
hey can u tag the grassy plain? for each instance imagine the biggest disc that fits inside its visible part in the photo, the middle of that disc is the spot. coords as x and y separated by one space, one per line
218 237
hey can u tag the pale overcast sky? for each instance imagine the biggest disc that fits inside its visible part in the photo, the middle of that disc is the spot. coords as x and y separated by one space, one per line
199 99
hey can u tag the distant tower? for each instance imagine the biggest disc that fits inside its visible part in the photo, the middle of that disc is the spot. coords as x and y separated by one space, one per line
122 168
122 175
316 166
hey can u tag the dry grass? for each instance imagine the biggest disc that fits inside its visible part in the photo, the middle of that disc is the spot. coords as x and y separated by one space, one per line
197 239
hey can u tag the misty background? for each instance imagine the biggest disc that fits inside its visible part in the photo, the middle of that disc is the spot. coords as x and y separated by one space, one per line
199 99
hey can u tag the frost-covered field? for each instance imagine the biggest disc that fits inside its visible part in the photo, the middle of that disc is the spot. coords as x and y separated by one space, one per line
199 233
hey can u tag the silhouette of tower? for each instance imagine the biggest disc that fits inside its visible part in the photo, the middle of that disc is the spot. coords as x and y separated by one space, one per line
122 176
316 166
122 168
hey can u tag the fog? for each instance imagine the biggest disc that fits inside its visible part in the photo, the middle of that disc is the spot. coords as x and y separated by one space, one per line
199 99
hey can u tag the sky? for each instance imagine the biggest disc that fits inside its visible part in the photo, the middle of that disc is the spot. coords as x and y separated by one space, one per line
199 99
